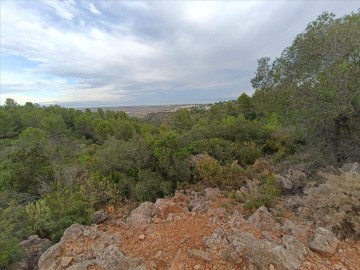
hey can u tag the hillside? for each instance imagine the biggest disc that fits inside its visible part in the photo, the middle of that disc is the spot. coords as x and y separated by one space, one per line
268 181
203 230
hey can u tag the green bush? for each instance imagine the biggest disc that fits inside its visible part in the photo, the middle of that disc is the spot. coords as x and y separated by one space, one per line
50 216
250 152
151 186
265 194
212 173
13 229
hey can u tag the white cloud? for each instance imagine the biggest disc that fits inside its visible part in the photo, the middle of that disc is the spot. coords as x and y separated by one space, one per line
93 9
65 9
130 48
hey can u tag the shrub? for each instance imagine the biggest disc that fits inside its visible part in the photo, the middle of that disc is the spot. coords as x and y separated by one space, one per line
265 194
151 186
101 190
212 173
50 216
250 152
13 224
336 204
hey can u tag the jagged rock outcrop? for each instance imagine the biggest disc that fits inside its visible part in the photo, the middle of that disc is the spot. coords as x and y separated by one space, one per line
33 247
290 179
323 241
142 215
73 251
263 219
100 216
170 234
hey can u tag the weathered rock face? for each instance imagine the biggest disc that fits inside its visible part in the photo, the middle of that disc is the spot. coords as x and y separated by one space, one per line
141 216
73 251
290 179
167 206
262 253
33 247
263 219
100 217
323 241
212 193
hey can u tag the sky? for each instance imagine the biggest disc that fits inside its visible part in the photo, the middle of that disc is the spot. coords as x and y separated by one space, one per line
109 53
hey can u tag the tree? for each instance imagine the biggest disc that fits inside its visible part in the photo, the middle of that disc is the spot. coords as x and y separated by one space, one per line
182 120
103 130
315 85
10 103
53 124
27 162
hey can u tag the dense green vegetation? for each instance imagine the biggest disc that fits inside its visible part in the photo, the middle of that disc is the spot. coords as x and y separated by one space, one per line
58 165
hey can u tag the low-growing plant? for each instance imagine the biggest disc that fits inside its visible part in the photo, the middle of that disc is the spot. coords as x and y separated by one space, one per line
265 194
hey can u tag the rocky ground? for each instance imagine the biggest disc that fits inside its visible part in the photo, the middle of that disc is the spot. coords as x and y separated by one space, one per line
203 230
198 230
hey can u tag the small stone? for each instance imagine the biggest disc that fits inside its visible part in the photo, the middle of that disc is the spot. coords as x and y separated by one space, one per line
157 220
200 254
65 261
197 267
271 267
141 237
158 254
341 250
87 232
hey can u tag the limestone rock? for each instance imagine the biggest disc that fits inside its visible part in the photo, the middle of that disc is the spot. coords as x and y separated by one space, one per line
167 206
216 239
73 252
200 254
284 182
262 253
262 219
49 259
212 193
141 216
33 247
100 217
323 241
295 247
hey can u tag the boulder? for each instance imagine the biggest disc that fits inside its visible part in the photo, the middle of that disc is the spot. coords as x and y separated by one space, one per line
290 179
216 240
236 219
283 182
167 206
33 247
295 247
323 241
263 253
74 252
141 216
300 231
212 194
50 258
263 219
100 216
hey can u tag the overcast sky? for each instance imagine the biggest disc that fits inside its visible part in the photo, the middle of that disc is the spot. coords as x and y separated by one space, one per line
103 53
